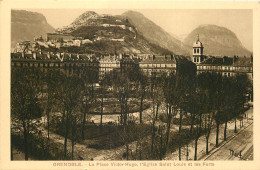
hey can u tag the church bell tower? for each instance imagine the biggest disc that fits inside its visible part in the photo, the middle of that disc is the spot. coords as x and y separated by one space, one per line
197 51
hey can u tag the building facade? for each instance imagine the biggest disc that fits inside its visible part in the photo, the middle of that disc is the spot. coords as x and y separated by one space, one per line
156 65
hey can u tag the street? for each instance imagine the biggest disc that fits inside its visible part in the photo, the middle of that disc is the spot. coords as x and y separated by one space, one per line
241 143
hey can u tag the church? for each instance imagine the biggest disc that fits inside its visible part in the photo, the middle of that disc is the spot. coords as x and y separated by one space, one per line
227 66
198 56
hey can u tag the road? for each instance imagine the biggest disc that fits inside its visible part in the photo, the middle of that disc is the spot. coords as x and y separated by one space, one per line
242 142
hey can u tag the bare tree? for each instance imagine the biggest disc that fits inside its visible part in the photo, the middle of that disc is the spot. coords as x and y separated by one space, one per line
25 104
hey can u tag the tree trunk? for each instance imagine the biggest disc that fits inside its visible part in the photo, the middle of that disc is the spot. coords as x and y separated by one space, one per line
192 123
25 134
125 115
121 113
101 109
168 126
83 126
92 91
66 134
127 151
196 145
207 144
161 143
200 123
235 131
141 109
180 125
225 131
157 108
217 133
153 129
72 147
187 152
84 121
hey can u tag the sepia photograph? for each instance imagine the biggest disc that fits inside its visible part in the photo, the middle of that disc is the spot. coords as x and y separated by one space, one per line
144 87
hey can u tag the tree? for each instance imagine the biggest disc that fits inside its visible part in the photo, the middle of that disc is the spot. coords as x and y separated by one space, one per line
207 85
88 97
25 106
169 87
69 95
51 99
121 86
241 87
228 91
142 80
185 87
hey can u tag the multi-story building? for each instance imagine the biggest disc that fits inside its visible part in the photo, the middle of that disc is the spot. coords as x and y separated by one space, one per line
227 66
155 65
108 64
69 63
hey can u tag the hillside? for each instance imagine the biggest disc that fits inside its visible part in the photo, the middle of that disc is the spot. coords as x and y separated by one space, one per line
26 25
155 34
109 34
217 40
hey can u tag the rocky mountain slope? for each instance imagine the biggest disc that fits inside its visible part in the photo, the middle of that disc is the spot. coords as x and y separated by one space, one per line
109 34
155 34
26 25
218 41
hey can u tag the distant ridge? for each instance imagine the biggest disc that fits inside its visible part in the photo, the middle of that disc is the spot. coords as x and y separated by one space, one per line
217 40
155 33
26 25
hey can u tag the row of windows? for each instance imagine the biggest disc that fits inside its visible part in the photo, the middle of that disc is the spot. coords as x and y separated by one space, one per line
37 64
49 65
229 68
196 60
196 50
157 65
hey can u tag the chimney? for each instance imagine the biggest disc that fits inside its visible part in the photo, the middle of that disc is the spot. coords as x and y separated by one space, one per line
224 59
234 59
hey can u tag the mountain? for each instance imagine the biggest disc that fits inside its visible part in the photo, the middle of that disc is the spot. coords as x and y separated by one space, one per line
109 34
155 34
26 25
217 41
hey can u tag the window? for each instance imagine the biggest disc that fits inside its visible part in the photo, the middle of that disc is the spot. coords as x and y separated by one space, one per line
228 74
194 60
198 50
194 50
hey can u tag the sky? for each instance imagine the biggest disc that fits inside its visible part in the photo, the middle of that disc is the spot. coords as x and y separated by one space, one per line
179 22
